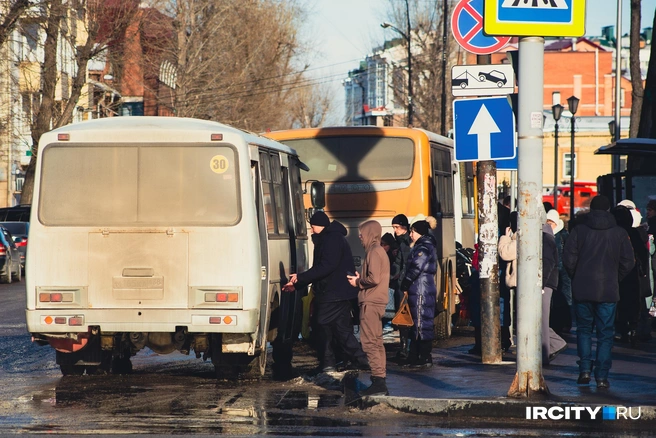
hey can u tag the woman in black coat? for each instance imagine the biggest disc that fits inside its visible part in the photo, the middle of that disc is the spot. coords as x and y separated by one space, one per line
631 300
419 282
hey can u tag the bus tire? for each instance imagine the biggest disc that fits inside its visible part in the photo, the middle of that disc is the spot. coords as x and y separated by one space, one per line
442 325
5 275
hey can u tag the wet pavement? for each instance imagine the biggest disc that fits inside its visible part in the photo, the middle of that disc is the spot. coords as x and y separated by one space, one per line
460 385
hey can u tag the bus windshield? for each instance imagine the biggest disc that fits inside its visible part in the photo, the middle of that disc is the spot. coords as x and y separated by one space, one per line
126 184
355 158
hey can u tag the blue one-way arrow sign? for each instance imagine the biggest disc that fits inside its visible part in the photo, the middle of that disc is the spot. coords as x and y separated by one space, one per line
484 129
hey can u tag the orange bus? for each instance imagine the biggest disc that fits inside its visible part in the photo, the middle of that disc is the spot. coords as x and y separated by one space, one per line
378 172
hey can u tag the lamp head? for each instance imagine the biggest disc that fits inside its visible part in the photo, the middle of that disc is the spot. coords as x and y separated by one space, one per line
573 104
611 128
557 110
385 25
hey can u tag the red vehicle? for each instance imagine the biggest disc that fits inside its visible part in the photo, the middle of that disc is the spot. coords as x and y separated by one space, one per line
583 194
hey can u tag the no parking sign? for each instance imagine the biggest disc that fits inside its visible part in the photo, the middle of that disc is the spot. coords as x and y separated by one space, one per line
467 28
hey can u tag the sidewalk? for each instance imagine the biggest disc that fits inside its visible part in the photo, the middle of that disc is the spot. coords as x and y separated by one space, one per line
460 385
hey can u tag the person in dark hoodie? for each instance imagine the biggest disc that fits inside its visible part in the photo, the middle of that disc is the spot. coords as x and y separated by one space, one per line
373 298
333 261
419 282
597 256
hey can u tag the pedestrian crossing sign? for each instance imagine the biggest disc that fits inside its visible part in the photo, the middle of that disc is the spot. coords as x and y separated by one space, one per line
560 18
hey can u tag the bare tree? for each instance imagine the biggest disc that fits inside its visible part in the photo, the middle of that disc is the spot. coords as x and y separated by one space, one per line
12 11
634 67
115 14
427 37
236 60
648 111
309 106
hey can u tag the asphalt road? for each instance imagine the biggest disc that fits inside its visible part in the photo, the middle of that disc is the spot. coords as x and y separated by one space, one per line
176 394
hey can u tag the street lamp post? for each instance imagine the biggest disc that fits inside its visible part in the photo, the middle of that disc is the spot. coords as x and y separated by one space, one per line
406 35
556 110
572 104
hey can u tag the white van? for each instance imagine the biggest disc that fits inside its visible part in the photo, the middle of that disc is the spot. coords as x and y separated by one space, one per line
166 233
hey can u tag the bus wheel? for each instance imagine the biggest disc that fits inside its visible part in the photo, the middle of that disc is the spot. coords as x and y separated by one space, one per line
442 325
5 275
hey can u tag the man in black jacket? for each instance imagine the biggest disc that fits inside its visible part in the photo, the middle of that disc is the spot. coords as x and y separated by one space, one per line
597 255
333 261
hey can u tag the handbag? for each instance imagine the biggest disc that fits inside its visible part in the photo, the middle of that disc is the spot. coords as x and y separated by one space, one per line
652 309
403 318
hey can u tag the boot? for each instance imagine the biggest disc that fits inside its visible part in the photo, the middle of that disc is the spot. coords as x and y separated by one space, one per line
378 387
402 354
425 359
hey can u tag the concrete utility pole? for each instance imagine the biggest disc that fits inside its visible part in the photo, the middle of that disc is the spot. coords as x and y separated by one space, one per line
488 235
529 379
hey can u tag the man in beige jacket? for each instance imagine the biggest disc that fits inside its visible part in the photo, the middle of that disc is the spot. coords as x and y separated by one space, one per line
373 297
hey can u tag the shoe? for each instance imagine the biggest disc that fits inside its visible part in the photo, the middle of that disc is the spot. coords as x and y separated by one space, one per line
584 378
378 387
553 355
422 363
603 384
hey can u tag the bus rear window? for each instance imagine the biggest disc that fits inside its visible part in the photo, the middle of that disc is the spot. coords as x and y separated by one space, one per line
123 185
355 158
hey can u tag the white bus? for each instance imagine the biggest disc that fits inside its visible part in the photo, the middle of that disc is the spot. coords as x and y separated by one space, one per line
166 233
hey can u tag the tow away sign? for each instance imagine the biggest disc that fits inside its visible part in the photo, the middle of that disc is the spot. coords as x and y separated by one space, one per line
482 80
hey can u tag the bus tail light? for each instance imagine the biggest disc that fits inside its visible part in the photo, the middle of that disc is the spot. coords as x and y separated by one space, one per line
223 297
22 243
3 250
56 297
63 320
76 320
223 320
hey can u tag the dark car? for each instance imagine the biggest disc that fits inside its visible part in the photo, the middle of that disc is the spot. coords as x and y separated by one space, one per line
10 266
19 213
494 76
20 231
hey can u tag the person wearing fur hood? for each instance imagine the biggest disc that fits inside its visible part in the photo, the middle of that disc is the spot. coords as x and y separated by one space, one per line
373 298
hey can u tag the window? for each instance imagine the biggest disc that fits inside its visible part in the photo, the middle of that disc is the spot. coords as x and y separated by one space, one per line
443 181
132 185
467 188
274 194
361 158
567 165
297 196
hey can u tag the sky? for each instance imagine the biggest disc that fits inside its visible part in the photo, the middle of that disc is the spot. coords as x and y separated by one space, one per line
343 32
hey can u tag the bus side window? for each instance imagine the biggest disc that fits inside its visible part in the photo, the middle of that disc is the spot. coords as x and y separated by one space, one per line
297 196
443 179
267 192
282 212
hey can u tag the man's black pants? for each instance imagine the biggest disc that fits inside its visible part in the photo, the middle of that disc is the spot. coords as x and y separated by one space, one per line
334 320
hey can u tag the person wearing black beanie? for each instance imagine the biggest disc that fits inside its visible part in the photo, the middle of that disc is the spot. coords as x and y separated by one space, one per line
600 202
421 227
401 219
320 219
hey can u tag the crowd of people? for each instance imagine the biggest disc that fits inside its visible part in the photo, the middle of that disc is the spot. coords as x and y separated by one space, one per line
405 262
596 274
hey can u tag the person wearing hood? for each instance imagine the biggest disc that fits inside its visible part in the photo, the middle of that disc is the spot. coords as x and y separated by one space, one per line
373 298
333 261
419 282
597 256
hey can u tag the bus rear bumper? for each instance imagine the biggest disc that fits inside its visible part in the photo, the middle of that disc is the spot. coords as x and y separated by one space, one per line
61 321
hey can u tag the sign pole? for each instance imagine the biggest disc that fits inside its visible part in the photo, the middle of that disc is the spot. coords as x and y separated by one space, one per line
486 175
528 379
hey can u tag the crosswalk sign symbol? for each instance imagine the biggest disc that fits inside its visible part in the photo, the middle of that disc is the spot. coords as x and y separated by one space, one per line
535 17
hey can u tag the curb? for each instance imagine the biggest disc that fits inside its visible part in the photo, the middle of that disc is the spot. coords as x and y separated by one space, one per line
499 408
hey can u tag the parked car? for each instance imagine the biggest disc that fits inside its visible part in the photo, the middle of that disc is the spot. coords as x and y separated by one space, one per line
19 213
20 231
10 267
